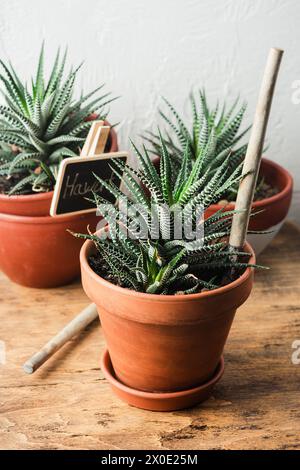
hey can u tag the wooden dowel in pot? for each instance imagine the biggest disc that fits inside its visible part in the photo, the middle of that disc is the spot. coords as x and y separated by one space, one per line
75 326
253 155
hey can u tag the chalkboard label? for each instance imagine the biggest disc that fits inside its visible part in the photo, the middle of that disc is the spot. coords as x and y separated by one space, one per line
76 181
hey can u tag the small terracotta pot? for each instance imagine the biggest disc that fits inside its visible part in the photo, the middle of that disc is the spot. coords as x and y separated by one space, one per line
38 204
38 251
35 249
275 208
164 343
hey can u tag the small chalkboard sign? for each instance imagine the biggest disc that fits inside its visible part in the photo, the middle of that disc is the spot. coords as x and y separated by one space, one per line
76 182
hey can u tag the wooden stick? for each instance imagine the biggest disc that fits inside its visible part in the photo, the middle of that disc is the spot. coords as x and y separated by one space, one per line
71 329
98 144
253 155
90 138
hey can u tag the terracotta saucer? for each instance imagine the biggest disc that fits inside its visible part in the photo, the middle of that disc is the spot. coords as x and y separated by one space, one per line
159 401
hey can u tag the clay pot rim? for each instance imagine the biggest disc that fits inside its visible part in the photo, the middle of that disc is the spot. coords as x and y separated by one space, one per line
36 197
88 246
41 219
25 198
268 200
106 367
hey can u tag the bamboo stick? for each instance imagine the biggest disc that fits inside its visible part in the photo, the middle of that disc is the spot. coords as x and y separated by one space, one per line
251 165
78 323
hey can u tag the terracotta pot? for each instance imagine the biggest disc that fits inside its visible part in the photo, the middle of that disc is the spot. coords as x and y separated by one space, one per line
275 208
39 204
164 343
28 205
38 251
35 249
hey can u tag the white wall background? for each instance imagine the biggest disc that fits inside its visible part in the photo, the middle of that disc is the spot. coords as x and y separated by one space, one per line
143 49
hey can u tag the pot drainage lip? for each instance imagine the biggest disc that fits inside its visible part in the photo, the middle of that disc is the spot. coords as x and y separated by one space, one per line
161 401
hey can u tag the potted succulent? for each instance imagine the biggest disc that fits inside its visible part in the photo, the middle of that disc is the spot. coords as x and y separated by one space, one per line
39 127
172 295
216 130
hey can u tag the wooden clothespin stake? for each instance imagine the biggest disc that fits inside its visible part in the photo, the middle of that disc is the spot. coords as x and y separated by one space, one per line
252 160
96 139
76 181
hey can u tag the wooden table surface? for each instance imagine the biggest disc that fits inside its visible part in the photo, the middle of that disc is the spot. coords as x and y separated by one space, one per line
68 404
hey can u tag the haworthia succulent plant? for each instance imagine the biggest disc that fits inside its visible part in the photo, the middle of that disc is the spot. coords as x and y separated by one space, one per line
210 134
42 124
161 261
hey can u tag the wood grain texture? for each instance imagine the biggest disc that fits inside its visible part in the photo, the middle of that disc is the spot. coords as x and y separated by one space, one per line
68 404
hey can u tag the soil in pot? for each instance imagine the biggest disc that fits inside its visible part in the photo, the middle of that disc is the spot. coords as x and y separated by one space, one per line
263 191
99 266
271 211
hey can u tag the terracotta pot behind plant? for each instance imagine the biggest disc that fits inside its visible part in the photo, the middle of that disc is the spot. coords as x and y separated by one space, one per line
38 251
38 204
32 205
161 343
274 209
35 249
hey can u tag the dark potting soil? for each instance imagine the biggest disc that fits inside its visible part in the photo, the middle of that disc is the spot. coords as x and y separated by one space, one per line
263 191
99 266
6 184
